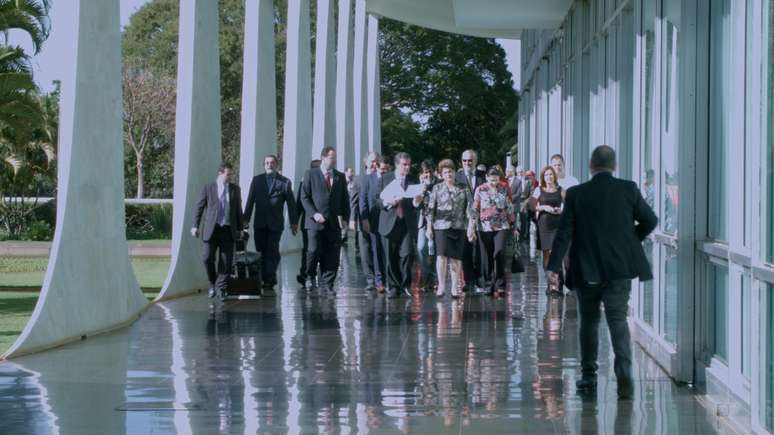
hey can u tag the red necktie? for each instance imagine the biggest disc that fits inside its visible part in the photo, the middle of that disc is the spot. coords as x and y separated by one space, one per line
328 184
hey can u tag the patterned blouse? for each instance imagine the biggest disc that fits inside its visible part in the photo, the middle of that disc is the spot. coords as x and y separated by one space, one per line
448 208
492 208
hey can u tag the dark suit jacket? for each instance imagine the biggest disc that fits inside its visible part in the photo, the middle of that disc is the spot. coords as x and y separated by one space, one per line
388 216
269 204
354 200
368 200
480 178
316 199
606 219
209 200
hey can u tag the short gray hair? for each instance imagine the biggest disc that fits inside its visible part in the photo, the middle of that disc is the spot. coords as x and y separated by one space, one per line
603 158
401 156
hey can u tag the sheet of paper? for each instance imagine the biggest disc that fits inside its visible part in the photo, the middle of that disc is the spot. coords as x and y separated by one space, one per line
414 190
391 192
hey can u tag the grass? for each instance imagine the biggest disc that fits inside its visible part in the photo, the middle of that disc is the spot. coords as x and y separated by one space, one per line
26 274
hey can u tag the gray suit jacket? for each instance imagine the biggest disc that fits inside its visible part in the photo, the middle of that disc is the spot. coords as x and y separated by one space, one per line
208 200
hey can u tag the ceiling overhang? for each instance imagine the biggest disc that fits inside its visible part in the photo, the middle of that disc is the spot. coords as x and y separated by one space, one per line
486 18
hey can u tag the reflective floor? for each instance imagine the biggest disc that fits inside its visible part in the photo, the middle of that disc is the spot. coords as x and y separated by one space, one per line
353 363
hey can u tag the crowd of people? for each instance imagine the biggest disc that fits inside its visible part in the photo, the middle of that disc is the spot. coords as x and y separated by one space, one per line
458 224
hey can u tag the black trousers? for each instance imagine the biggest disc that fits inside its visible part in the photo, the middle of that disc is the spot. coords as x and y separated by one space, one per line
267 243
398 256
367 258
615 297
492 246
325 249
220 247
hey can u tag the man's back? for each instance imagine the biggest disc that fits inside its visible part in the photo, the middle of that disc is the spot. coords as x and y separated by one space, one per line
606 220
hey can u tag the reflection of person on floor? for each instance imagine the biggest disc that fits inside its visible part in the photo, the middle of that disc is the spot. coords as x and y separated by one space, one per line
220 203
605 220
549 384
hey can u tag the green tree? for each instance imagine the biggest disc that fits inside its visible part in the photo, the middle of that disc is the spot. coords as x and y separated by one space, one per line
456 88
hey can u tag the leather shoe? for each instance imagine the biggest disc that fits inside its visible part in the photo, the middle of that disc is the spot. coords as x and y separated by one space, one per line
310 285
301 280
407 292
393 293
625 389
211 292
586 384
480 291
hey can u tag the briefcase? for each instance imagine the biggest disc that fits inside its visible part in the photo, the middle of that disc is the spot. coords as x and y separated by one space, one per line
516 265
245 278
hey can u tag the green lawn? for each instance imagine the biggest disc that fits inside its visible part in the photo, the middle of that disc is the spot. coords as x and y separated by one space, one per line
26 273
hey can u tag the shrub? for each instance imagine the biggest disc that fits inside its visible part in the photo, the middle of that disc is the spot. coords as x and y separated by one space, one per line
148 221
39 231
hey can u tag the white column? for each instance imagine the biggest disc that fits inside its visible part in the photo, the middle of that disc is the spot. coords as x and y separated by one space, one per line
89 285
197 139
374 83
360 98
297 147
345 133
324 133
259 93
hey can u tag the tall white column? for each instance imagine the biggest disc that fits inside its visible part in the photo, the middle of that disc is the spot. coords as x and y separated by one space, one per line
374 84
297 147
324 133
360 98
197 139
89 285
259 93
345 133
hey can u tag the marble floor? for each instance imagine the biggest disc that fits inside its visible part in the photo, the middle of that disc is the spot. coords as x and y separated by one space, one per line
352 363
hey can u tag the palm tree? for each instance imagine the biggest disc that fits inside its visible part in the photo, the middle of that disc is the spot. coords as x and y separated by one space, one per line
30 16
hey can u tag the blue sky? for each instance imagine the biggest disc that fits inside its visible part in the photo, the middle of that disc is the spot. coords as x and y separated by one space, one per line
47 64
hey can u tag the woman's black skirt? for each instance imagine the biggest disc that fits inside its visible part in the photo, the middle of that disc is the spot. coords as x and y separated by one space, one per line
450 243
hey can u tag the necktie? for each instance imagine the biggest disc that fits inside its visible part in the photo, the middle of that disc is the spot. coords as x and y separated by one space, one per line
470 180
222 206
269 182
399 210
328 184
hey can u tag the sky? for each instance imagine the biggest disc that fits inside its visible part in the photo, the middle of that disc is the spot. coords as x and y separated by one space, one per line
47 64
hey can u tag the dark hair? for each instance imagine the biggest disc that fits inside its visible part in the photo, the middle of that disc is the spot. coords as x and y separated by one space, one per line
325 151
426 165
603 158
401 156
446 163
382 160
557 156
494 171
314 164
543 178
223 166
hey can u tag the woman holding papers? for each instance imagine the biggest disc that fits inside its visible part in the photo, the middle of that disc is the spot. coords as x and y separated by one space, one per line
492 216
447 219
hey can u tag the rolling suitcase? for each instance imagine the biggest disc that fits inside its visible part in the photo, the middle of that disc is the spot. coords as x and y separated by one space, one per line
246 274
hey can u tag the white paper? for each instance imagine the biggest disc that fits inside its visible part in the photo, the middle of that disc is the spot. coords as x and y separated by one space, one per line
391 192
414 190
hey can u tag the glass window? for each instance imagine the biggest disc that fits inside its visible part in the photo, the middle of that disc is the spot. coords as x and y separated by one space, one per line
720 46
746 319
670 157
669 305
767 371
718 283
646 288
770 141
648 101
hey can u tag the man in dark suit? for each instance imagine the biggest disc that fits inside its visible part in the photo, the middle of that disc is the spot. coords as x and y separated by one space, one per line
301 277
221 205
371 253
270 193
326 205
604 223
398 227
471 260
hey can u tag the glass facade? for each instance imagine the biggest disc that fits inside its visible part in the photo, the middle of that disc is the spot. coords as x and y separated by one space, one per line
688 103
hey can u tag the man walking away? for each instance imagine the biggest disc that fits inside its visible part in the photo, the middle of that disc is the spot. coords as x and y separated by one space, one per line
603 223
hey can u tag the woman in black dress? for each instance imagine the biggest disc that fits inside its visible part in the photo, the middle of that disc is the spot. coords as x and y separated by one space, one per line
549 209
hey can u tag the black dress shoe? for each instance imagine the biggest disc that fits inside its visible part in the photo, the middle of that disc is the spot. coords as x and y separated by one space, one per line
625 389
211 292
301 279
586 384
407 292
393 294
480 291
310 285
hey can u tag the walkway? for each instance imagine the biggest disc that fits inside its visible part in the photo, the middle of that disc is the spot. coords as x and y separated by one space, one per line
353 363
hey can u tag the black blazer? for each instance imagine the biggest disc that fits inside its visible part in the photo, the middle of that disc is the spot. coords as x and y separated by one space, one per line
209 200
388 216
479 178
316 199
606 219
368 200
269 204
354 200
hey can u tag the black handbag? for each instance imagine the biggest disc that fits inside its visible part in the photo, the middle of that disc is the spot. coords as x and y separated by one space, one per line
516 265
